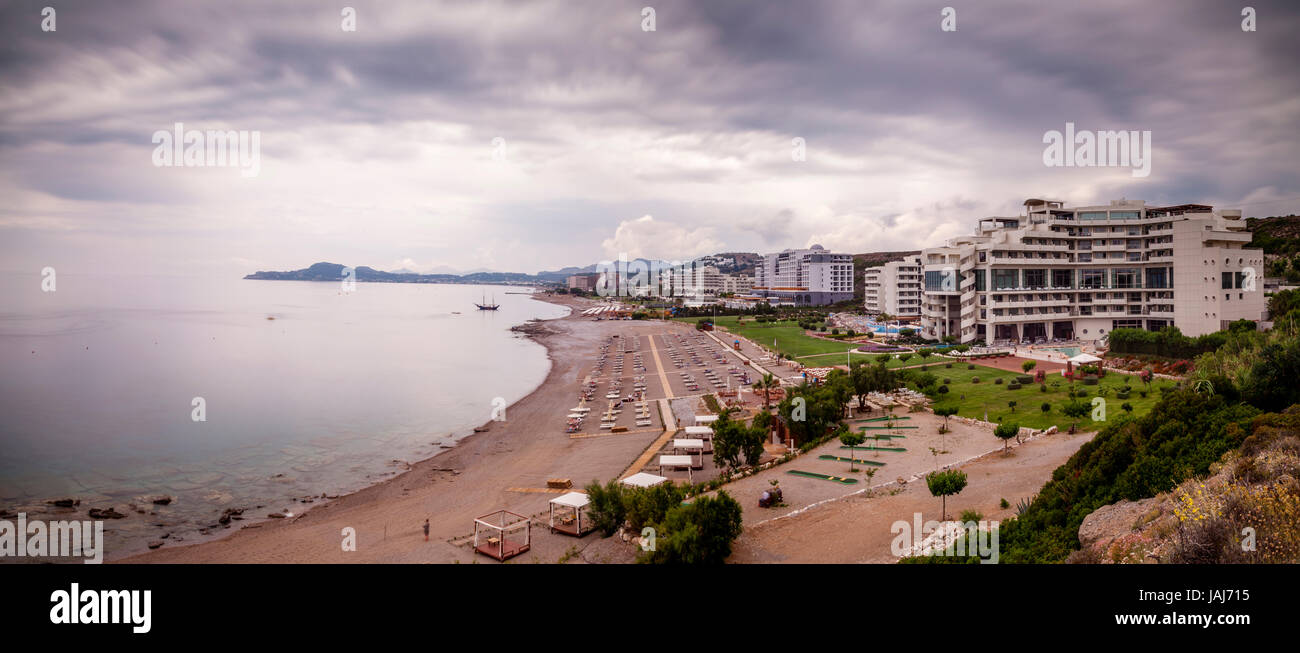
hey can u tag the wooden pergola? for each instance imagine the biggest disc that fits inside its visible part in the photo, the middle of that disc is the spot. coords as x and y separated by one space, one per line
502 534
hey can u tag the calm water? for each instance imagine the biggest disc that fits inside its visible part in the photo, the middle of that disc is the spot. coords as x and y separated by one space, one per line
98 378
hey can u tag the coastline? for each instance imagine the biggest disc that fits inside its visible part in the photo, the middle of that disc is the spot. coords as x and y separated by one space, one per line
384 504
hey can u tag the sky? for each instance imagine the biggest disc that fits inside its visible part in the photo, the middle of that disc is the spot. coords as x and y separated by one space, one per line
527 136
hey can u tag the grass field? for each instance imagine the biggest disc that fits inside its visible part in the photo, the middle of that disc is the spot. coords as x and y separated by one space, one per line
973 399
790 339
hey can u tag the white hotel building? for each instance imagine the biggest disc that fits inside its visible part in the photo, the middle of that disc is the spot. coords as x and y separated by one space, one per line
1078 273
805 277
894 288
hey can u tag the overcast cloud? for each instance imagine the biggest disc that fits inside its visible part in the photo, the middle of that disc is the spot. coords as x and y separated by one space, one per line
377 146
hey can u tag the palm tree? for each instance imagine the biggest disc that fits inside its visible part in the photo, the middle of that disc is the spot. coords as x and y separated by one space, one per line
766 384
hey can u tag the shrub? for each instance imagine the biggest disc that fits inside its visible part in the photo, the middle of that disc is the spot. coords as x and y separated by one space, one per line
974 379
1025 380
997 381
943 389
606 508
1046 407
1014 385
947 381
1004 504
970 366
971 516
1090 380
700 532
1042 387
948 365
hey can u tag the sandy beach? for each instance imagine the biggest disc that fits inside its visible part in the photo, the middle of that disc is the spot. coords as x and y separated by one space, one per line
507 467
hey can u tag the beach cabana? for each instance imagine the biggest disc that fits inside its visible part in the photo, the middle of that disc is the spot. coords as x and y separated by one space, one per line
567 514
1081 359
693 447
502 534
705 419
644 479
677 462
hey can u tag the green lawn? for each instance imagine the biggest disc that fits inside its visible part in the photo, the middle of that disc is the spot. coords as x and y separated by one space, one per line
790 339
972 399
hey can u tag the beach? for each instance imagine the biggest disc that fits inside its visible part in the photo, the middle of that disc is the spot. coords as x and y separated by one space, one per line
507 465
504 467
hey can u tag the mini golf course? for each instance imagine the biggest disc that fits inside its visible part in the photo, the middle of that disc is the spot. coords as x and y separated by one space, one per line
825 477
859 461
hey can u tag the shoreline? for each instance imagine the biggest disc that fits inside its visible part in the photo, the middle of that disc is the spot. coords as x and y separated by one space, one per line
441 468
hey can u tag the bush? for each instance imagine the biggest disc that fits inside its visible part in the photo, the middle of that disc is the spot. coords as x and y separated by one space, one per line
606 508
1042 387
1046 407
997 381
947 381
948 365
970 366
974 379
1024 380
1014 385
1090 380
971 516
700 532
943 389
1004 504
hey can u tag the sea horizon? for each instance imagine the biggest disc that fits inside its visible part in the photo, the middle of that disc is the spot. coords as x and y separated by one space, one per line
309 390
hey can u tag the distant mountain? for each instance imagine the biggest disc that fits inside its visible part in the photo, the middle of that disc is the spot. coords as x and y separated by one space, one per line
334 272
1278 235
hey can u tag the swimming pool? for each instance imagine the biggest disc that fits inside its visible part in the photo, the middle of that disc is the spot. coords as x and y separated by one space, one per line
1070 352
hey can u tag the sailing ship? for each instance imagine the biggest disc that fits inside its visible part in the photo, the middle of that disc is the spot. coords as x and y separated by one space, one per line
486 306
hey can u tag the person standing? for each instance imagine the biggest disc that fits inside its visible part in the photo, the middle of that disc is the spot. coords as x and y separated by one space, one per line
426 530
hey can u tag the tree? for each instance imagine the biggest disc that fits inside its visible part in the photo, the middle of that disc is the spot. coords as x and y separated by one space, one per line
1046 407
851 439
766 384
732 440
905 356
1012 406
944 484
884 358
1028 365
945 412
606 507
700 532
925 353
1075 410
1005 432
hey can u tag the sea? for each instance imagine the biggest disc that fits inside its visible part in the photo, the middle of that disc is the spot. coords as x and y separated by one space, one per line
232 393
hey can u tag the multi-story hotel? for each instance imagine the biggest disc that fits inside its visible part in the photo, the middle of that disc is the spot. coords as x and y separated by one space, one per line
805 277
737 284
894 288
1078 273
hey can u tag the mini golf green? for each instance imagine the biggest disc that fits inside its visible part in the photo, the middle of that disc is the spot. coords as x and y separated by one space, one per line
875 448
885 419
859 461
885 436
885 428
825 477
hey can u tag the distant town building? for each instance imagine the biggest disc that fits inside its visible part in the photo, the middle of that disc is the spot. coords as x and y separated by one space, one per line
1079 273
894 288
583 282
805 277
737 284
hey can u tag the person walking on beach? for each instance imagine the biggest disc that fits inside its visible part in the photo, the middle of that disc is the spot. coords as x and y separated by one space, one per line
426 530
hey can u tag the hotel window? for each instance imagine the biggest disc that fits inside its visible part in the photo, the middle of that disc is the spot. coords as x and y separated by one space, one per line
1003 279
1125 215
1062 278
979 280
1092 278
1035 278
1092 215
1226 278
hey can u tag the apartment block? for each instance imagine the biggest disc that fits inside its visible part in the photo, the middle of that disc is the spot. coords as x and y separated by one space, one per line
805 277
894 288
1058 273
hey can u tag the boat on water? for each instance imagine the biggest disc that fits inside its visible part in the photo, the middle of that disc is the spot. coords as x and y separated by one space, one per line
486 306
